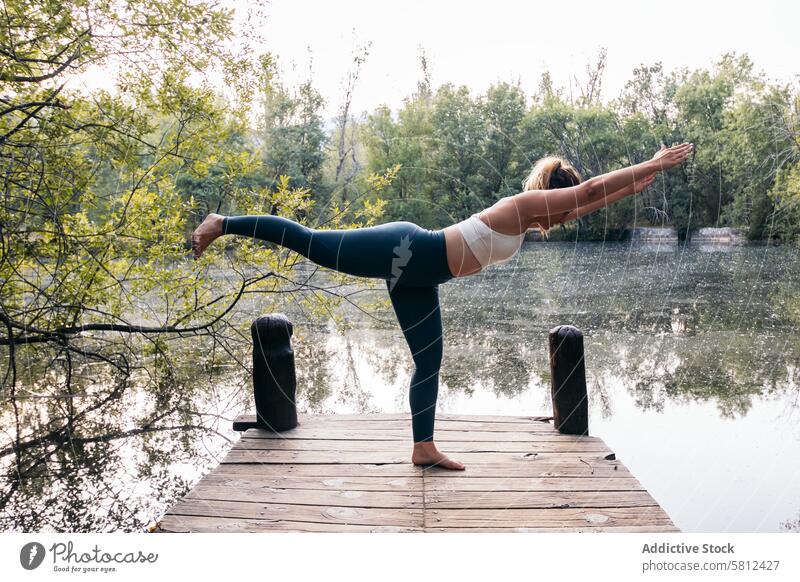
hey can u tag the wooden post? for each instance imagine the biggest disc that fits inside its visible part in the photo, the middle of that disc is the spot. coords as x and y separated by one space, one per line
274 380
568 380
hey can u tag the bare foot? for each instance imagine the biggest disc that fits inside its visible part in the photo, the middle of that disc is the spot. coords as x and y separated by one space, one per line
206 233
425 453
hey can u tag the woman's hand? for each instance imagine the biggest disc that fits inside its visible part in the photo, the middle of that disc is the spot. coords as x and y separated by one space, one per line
670 157
643 183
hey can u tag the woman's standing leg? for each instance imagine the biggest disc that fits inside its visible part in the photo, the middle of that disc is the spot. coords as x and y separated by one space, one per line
411 260
417 310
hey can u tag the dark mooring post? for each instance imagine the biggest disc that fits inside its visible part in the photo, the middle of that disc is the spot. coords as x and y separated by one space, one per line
274 380
568 380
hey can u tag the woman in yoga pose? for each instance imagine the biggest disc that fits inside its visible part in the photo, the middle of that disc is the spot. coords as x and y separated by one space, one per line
414 261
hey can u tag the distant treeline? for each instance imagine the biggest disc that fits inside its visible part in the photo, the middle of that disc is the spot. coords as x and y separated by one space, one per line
459 152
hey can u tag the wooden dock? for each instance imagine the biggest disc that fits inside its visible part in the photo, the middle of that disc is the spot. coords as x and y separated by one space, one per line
353 473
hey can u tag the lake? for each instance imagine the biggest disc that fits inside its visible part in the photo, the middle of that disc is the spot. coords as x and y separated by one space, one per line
692 357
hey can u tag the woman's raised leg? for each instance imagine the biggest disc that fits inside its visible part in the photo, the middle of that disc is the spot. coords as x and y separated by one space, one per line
417 310
364 252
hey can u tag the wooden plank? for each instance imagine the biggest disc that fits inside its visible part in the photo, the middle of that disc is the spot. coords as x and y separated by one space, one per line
539 468
405 447
433 482
306 513
192 523
404 435
505 500
568 517
187 523
316 457
599 529
346 498
404 456
336 417
320 483
439 482
405 424
319 470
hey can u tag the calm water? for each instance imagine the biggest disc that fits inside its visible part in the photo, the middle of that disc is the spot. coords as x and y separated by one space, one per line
692 357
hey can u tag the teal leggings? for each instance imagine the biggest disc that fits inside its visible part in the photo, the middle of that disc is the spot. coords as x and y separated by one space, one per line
413 262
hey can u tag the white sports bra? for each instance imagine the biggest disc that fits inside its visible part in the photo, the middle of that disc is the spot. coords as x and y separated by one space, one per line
489 246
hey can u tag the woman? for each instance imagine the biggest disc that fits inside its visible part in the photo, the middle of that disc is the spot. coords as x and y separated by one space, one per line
414 261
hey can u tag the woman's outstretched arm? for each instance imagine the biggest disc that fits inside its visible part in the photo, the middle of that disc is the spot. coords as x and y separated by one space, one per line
539 203
564 217
634 188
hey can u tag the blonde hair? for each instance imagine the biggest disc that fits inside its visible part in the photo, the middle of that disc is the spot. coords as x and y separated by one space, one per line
549 173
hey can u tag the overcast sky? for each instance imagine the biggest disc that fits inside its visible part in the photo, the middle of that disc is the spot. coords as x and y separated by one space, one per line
478 43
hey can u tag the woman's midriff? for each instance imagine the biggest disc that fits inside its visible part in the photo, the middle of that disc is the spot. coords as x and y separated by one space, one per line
460 259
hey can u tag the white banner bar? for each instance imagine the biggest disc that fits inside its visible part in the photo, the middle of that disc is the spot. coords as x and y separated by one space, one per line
343 556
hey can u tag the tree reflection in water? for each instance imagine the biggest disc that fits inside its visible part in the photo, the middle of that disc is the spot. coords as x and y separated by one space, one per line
671 324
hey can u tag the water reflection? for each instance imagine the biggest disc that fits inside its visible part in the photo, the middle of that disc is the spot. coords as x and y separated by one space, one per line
670 331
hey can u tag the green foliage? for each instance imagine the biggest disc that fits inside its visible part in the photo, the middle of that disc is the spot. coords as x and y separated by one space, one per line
785 195
405 143
291 133
460 153
101 191
503 109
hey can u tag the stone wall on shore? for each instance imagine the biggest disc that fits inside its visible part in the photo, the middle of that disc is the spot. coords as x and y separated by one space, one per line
724 235
653 234
707 235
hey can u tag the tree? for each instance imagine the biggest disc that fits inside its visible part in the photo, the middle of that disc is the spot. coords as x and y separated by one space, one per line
99 192
88 187
291 135
701 104
503 111
346 165
458 131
